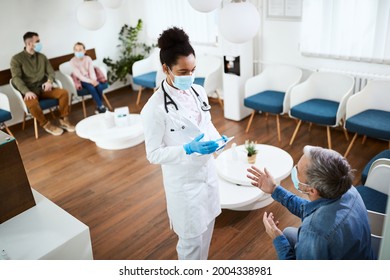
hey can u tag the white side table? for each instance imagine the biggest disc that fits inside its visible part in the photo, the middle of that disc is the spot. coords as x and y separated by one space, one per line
45 231
101 129
236 191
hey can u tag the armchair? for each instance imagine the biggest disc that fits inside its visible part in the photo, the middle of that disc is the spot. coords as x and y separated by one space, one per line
321 100
368 112
44 103
66 70
375 194
147 73
269 91
5 113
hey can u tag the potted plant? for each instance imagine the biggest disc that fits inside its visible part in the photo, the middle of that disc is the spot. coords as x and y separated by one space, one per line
250 148
130 51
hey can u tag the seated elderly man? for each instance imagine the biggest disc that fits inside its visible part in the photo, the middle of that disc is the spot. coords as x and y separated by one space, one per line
334 218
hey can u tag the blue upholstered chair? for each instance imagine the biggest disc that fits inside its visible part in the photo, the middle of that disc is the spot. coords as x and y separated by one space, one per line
269 91
375 195
46 104
5 113
381 158
368 112
147 73
66 70
321 100
208 74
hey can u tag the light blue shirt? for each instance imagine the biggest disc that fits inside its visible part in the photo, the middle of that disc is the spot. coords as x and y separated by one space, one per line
331 228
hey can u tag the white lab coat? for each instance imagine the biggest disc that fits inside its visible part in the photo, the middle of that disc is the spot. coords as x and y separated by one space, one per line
190 181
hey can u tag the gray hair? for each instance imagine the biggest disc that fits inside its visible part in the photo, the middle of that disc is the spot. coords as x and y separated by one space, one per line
328 172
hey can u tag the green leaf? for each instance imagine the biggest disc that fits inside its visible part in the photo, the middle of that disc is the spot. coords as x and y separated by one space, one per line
130 51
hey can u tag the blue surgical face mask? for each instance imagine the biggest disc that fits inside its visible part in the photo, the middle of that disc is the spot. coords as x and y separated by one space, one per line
79 54
295 180
38 47
183 82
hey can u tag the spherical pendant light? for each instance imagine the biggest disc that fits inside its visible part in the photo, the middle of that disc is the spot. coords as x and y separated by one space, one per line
91 15
112 4
204 6
239 22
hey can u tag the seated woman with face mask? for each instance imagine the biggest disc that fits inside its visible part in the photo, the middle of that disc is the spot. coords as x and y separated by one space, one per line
85 76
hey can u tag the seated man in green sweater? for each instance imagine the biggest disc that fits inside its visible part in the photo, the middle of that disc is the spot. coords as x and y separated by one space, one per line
33 76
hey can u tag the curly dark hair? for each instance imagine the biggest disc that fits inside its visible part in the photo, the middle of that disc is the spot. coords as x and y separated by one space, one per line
173 43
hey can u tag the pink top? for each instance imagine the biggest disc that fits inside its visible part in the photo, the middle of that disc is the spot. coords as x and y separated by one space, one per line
188 101
83 69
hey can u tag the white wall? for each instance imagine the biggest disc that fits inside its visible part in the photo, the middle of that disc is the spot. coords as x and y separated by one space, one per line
56 24
280 44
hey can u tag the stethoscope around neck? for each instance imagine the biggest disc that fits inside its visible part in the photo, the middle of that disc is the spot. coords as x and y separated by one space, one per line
169 101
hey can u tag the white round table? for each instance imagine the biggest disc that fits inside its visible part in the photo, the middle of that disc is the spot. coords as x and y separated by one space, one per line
236 191
102 130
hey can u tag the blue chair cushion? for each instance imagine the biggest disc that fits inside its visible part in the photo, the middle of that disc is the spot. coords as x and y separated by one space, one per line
270 101
5 115
383 154
374 200
199 81
373 123
84 92
147 80
48 103
319 111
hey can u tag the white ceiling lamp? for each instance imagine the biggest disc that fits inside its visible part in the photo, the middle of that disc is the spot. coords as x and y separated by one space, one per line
239 21
204 6
91 15
112 4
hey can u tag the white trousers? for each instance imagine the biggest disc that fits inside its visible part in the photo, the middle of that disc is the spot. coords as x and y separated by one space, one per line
196 248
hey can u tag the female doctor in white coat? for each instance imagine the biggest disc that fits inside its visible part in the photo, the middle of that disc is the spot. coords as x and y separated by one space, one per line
180 136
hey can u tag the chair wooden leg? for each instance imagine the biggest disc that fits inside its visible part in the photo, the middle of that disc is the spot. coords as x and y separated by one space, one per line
295 132
24 121
52 113
329 138
36 128
344 129
139 95
8 130
346 134
250 122
84 108
278 127
310 125
350 145
364 139
70 103
107 102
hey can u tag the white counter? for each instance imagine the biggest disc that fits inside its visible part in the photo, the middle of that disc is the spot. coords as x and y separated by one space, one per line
45 231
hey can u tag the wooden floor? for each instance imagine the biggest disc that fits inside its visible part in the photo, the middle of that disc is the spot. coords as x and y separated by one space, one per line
120 196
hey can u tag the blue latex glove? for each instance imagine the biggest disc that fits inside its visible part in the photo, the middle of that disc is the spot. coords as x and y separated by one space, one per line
195 146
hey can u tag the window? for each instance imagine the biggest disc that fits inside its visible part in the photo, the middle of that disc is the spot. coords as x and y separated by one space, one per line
161 15
347 29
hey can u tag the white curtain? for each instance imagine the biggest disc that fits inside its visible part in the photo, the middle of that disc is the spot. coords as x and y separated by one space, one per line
347 29
163 14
